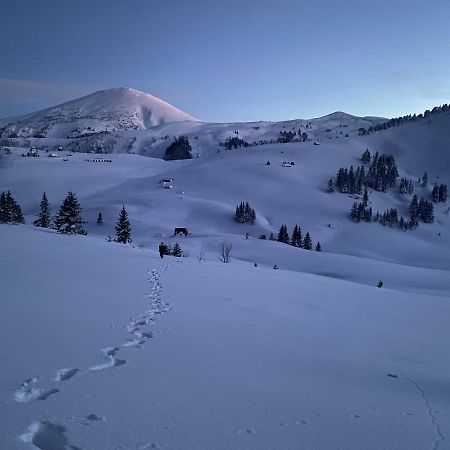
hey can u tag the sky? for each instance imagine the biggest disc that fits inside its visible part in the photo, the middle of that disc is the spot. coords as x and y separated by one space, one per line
230 60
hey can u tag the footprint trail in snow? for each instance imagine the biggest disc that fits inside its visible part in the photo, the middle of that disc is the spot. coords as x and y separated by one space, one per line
45 435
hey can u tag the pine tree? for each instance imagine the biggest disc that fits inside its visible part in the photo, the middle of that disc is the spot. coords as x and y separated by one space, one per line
365 157
123 228
414 210
100 219
354 212
296 239
283 235
43 219
330 185
365 197
176 250
69 220
4 214
443 193
244 213
307 242
425 180
10 210
435 193
318 247
272 237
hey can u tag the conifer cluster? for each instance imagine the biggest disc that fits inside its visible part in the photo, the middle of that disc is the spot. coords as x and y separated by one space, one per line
439 193
380 176
404 119
245 213
296 240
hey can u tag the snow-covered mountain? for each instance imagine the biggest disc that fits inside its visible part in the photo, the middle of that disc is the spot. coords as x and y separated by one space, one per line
106 110
124 120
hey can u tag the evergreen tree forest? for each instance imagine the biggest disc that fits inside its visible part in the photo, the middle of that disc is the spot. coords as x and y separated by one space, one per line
179 149
395 122
381 175
296 239
245 213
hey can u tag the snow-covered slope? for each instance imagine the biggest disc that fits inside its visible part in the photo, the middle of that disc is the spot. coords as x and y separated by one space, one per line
106 110
109 347
124 120
106 346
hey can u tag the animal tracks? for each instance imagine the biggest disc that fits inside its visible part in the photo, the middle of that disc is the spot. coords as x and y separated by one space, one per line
48 436
430 411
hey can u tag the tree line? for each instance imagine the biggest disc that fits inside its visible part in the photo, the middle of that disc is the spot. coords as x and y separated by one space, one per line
395 122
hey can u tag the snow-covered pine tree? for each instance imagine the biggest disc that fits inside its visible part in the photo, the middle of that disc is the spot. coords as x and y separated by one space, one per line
425 180
426 211
123 228
307 242
10 210
283 235
69 220
443 193
365 197
330 185
414 210
100 219
244 213
435 193
43 219
365 157
318 247
296 239
176 250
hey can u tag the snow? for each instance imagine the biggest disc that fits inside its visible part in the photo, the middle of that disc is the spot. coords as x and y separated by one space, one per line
242 357
109 109
106 346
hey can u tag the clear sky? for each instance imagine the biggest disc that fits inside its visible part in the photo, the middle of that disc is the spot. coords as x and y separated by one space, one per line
230 60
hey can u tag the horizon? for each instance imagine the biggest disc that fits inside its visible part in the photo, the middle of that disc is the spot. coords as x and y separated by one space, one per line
230 63
430 107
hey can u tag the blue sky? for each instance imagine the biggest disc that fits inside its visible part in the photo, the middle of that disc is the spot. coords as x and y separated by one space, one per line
230 60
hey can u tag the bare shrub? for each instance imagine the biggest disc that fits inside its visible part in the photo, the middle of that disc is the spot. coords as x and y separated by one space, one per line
225 251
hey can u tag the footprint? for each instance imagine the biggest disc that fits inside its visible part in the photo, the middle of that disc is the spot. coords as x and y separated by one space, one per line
110 351
133 342
65 374
301 422
113 362
246 431
94 417
27 393
47 436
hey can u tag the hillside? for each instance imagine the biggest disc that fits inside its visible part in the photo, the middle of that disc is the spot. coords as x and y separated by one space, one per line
124 120
136 352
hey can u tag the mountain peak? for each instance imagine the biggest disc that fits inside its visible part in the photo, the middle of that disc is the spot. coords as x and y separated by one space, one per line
119 108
